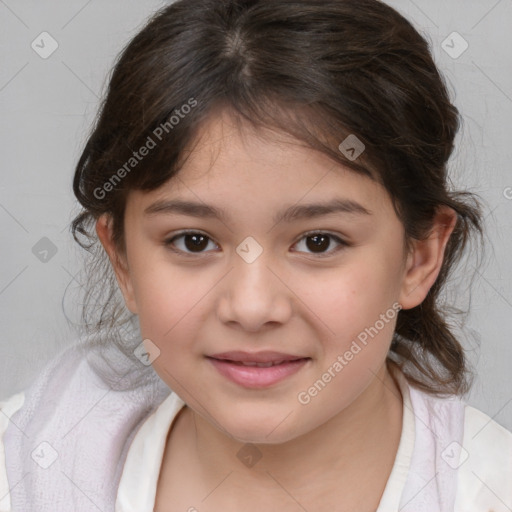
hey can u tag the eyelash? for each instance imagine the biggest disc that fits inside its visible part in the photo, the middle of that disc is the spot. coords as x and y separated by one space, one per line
342 244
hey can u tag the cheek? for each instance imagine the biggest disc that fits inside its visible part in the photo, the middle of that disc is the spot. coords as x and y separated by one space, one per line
169 318
361 312
171 305
345 301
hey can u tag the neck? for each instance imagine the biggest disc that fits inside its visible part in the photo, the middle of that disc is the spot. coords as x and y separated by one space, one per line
362 438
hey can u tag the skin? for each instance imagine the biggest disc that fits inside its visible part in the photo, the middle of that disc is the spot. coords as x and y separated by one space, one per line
342 444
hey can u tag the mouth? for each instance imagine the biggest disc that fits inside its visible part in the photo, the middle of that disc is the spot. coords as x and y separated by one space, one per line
257 369
259 365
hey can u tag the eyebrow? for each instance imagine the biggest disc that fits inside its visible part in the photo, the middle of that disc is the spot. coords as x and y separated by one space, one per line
288 214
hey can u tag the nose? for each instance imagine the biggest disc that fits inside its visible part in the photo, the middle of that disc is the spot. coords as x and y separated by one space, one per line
254 296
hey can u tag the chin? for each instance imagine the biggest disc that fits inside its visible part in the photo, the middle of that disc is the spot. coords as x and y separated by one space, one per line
253 436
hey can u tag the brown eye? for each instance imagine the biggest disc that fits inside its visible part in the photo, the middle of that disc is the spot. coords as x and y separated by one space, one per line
189 242
318 243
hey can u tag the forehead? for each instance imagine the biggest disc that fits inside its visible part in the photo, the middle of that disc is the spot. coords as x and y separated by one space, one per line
232 163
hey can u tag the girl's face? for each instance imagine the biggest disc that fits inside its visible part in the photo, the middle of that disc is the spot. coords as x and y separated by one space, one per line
293 261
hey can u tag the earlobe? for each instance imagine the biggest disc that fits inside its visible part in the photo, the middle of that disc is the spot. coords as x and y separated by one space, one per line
120 267
426 258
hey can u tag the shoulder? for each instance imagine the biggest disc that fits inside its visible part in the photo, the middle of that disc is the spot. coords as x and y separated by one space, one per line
468 452
485 436
7 408
485 464
77 392
12 403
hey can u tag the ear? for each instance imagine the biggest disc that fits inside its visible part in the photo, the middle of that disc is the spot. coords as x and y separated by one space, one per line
425 259
118 262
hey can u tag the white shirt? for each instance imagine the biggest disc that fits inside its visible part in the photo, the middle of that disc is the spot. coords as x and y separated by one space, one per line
484 470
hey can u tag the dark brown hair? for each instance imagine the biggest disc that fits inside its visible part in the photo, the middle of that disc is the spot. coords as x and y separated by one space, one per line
318 70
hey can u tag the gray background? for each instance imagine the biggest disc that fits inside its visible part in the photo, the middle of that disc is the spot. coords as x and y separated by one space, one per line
47 107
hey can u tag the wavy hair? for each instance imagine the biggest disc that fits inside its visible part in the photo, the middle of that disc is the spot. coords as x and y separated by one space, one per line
319 71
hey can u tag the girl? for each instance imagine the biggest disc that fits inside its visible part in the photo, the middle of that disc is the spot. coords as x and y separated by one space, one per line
267 182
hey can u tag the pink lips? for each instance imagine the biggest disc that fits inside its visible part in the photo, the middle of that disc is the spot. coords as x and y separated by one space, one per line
258 369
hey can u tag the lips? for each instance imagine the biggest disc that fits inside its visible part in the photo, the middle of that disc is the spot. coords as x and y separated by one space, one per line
257 369
256 357
259 365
